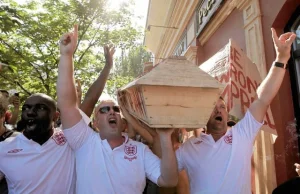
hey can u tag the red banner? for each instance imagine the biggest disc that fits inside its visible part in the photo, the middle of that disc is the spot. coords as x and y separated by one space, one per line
232 67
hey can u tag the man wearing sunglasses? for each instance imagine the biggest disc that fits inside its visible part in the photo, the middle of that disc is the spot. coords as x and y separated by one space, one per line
108 162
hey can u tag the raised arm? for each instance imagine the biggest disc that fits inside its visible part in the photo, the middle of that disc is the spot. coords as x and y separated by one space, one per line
271 84
66 92
144 131
79 92
95 91
168 169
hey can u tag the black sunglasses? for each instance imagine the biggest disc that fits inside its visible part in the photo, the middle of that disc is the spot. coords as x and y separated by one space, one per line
106 109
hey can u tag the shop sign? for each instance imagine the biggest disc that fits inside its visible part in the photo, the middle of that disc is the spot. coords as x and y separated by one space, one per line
204 13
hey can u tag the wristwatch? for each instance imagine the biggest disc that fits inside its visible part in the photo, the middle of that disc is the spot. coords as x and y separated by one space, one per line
281 65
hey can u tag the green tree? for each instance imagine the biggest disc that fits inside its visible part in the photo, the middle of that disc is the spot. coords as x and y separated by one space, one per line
128 66
131 63
29 35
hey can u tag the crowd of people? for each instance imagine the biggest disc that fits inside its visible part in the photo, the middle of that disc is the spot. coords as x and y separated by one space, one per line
59 149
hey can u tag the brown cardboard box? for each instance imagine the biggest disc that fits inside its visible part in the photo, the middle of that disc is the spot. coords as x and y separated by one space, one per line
175 93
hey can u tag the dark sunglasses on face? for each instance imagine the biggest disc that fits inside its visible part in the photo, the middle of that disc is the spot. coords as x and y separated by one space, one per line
106 109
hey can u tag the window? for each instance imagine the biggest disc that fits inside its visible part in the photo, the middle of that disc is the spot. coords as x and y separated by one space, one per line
182 45
296 54
294 66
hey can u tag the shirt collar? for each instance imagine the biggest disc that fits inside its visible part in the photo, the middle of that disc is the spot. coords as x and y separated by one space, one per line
125 135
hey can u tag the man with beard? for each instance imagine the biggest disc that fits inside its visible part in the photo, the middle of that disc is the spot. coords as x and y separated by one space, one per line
107 162
220 160
39 160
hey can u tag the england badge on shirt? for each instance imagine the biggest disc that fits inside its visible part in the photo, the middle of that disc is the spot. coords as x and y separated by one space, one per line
59 138
228 139
130 151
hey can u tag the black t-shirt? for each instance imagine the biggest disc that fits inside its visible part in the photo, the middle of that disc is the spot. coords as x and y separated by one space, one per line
6 135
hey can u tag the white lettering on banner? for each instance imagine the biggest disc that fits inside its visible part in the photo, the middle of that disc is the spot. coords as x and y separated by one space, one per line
232 67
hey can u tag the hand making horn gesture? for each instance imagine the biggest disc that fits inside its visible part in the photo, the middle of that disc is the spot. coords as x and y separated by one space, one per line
282 45
109 51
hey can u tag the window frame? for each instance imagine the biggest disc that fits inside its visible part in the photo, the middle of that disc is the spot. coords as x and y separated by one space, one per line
294 69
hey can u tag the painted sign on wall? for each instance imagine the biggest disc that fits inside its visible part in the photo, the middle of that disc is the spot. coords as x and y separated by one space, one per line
232 67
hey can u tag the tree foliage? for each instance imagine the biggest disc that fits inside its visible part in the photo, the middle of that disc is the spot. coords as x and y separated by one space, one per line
131 63
128 67
29 35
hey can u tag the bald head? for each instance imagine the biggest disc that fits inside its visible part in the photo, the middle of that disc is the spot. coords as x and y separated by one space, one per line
50 101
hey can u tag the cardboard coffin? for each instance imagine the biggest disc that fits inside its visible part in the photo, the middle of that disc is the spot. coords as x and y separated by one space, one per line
175 93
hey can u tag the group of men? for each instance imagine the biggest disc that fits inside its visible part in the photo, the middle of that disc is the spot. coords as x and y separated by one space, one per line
77 159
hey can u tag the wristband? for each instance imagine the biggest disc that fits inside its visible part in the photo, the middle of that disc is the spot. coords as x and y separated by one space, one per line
281 65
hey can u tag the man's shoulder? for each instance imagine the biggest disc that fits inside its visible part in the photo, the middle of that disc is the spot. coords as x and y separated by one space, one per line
247 117
13 137
15 134
8 134
190 141
247 122
9 143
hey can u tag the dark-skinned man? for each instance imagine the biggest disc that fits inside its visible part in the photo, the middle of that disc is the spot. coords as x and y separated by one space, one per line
40 160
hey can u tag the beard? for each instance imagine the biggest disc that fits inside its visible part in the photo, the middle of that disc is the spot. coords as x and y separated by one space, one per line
38 129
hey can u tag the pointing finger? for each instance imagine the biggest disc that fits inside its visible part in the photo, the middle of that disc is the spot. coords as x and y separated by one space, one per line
75 33
113 50
274 36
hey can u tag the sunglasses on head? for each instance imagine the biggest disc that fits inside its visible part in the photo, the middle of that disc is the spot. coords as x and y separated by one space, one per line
106 109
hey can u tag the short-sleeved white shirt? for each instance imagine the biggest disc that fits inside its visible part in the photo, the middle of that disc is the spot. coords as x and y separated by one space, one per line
222 167
100 169
33 168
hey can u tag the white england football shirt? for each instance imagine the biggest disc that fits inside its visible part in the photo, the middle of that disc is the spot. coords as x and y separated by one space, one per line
222 167
38 169
100 169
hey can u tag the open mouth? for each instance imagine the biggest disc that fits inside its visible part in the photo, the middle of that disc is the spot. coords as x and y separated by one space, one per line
112 122
218 118
31 124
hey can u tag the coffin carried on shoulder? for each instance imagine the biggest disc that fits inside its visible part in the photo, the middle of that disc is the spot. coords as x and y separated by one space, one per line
174 94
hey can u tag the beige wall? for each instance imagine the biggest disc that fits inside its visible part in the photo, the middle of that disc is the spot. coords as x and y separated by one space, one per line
231 28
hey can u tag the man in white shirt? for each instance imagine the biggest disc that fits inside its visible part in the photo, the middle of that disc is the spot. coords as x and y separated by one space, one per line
40 160
108 162
219 162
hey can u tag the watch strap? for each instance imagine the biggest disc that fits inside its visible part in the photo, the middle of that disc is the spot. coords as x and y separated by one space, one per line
281 65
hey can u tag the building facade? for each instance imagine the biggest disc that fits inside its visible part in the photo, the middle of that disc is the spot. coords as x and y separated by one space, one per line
197 29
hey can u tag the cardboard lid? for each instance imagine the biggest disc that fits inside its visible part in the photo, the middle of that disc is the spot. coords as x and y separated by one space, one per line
177 71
